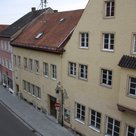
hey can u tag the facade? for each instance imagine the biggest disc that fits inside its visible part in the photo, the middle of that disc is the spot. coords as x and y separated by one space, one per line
92 74
99 70
6 55
37 57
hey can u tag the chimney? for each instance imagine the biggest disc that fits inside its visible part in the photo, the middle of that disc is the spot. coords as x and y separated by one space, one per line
33 9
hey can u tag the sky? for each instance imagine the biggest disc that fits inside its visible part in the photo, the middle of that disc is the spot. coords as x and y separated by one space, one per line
11 10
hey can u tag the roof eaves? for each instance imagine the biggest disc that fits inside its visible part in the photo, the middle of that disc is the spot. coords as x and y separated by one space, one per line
38 48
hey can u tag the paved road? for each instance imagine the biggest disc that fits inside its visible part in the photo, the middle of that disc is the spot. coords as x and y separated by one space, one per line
40 122
11 126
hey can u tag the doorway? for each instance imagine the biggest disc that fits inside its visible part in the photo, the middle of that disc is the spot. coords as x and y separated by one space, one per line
53 111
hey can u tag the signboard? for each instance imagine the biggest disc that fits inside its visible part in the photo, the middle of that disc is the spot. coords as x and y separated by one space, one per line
57 106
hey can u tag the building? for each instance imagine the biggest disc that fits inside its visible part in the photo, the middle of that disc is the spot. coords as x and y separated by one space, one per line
99 70
2 27
6 55
38 52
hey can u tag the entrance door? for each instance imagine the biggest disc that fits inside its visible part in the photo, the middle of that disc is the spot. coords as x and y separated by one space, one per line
17 89
53 111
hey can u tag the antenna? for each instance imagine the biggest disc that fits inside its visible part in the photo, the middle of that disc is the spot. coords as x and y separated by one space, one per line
43 4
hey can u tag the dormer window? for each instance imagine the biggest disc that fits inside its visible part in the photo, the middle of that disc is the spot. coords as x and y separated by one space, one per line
109 8
38 35
61 20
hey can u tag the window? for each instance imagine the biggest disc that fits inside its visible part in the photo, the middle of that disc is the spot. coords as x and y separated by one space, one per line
95 120
19 61
25 63
30 64
83 70
53 71
37 92
131 131
109 8
106 77
24 85
32 89
38 35
80 112
72 69
84 40
108 42
134 43
113 127
46 69
36 62
132 86
14 60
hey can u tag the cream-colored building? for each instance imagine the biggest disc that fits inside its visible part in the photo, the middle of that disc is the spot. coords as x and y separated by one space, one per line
99 70
37 58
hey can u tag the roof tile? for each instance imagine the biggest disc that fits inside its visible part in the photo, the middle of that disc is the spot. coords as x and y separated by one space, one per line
128 62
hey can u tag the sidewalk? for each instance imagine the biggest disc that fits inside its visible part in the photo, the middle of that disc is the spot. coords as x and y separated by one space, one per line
35 119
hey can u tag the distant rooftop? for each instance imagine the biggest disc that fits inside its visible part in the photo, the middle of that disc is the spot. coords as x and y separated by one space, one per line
20 23
2 27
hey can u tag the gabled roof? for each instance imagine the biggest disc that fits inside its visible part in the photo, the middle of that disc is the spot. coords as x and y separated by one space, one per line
2 27
20 23
128 62
49 32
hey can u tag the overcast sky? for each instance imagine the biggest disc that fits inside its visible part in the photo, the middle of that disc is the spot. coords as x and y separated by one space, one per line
11 10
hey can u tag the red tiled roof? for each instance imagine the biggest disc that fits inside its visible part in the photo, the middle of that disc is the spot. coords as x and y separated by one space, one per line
2 27
56 28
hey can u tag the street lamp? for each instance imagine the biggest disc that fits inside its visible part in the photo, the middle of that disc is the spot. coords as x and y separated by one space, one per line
63 95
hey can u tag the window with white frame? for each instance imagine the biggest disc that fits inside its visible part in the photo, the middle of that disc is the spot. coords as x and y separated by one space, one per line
112 127
72 69
84 37
95 120
25 63
46 69
30 64
108 42
132 86
36 66
80 112
109 8
106 77
83 71
131 131
134 43
53 71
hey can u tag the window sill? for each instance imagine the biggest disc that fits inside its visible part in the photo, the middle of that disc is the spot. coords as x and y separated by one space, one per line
46 76
95 129
83 48
107 86
84 79
109 17
108 50
79 121
74 76
54 79
132 96
38 98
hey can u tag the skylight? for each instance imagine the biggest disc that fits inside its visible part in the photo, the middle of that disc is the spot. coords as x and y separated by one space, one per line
61 20
38 35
